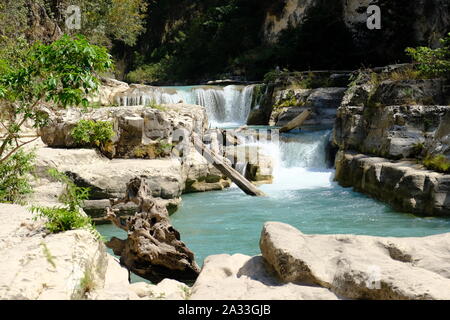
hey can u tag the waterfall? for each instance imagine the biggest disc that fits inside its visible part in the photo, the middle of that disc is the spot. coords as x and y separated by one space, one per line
225 106
299 161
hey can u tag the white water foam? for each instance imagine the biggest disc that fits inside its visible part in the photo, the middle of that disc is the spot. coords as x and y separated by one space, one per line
299 162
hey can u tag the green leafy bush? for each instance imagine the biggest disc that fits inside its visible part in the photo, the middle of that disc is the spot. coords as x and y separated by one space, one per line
438 163
61 219
14 172
73 196
433 62
69 216
93 133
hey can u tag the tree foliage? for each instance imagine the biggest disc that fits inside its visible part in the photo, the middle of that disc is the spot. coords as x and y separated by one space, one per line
102 21
105 21
60 74
433 62
14 185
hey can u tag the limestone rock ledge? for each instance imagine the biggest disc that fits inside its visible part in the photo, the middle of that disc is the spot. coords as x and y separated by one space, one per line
360 267
322 101
241 277
295 266
68 265
405 185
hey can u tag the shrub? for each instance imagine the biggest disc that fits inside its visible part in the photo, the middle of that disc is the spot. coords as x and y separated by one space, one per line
69 216
417 149
155 150
163 148
433 62
61 219
438 163
405 74
93 133
14 173
313 81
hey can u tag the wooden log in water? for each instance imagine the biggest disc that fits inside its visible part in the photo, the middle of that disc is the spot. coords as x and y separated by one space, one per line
297 121
218 162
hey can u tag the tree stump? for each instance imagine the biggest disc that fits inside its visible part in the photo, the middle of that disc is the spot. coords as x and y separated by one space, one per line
153 249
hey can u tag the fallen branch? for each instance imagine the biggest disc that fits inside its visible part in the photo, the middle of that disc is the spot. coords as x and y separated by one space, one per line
153 249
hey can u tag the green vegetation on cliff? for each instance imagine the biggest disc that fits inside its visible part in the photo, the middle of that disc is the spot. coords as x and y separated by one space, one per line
433 62
93 133
438 163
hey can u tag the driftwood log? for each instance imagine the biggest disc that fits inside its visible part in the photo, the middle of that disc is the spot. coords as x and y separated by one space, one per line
220 164
153 249
297 121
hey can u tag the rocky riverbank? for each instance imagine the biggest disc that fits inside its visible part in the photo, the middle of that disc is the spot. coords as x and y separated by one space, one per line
386 126
329 267
406 185
293 266
68 265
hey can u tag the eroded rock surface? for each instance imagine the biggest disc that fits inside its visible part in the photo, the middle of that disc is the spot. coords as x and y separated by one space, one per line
67 265
360 267
322 101
139 131
241 277
37 265
405 185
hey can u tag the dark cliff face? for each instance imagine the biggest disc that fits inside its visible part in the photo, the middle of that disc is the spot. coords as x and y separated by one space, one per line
404 23
209 38
189 41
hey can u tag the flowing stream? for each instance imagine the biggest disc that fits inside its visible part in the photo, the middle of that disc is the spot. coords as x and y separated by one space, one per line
303 193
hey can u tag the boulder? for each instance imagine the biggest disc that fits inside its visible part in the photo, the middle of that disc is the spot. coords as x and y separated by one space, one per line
241 277
140 132
360 267
37 265
404 92
256 166
109 88
88 168
68 265
200 176
391 131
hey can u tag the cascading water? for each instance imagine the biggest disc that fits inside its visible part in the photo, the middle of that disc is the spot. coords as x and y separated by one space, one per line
225 106
299 161
302 193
